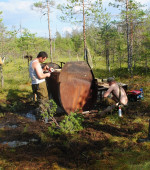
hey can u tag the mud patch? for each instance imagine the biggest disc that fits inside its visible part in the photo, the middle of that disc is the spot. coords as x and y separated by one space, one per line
14 144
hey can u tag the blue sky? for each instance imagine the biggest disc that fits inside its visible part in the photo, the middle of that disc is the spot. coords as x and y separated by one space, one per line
19 12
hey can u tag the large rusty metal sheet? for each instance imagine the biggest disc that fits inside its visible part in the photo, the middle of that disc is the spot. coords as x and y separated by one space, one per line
77 87
73 88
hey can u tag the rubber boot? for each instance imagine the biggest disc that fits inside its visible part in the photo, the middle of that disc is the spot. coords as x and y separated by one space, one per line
107 110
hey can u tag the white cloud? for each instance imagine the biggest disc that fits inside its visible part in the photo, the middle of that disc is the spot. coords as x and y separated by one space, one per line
67 29
143 1
16 6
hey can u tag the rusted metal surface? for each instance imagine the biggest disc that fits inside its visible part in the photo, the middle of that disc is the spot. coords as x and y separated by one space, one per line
54 65
53 86
53 83
74 87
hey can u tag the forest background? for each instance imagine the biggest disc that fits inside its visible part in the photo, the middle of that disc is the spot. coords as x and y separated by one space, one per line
117 43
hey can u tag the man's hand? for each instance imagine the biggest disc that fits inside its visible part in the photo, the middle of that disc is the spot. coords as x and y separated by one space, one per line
48 74
45 68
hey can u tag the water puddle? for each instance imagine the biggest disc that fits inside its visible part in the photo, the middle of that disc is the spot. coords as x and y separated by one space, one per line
2 126
12 126
31 116
14 144
9 126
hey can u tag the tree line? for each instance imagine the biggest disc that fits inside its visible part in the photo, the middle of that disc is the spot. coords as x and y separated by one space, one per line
121 42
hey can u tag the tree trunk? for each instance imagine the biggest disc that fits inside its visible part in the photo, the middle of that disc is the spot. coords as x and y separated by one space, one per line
54 48
2 77
50 39
128 42
131 41
84 36
120 61
113 59
107 55
146 65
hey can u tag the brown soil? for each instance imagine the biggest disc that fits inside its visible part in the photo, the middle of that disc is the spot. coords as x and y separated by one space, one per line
79 151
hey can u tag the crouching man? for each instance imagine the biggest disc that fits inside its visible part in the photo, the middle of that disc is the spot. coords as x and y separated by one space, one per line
119 96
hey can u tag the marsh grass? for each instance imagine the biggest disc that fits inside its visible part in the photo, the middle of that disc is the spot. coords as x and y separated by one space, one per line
16 73
124 159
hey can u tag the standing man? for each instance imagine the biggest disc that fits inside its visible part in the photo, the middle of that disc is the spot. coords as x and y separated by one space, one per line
119 96
38 77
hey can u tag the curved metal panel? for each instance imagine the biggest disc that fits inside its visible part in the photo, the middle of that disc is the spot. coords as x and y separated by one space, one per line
77 87
73 88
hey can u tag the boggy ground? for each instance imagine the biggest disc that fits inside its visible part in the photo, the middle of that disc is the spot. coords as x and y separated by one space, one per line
104 143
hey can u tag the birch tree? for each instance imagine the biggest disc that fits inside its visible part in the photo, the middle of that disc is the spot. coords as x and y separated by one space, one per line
131 13
2 56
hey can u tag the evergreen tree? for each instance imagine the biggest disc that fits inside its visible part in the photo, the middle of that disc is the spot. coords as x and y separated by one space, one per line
45 7
131 15
73 10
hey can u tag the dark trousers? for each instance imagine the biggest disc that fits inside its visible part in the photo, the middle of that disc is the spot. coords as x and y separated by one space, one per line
41 91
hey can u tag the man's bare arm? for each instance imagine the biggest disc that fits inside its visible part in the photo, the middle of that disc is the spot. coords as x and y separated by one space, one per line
39 71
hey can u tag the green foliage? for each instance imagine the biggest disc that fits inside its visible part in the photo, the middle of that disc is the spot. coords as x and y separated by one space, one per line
15 106
115 119
25 130
27 42
38 5
42 5
53 130
143 166
72 123
77 40
43 137
103 33
48 109
1 18
2 115
73 9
